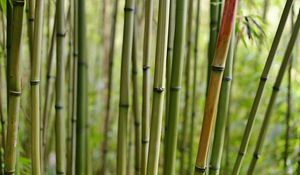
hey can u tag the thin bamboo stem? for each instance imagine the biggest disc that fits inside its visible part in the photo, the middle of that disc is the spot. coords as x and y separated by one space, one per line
276 88
124 87
175 83
60 131
14 88
146 84
30 28
186 114
263 79
194 92
214 87
222 115
82 90
158 87
135 105
109 87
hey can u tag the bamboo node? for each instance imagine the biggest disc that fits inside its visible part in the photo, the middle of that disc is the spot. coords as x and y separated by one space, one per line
215 168
256 155
129 9
59 107
175 88
124 105
275 88
82 63
18 3
241 153
146 67
8 172
217 68
159 89
200 169
31 19
137 124
263 78
60 172
50 76
227 78
145 141
169 48
75 54
15 93
58 34
34 82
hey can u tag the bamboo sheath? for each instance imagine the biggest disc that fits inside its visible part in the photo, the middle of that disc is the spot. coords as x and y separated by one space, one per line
158 87
217 69
14 88
175 89
276 88
263 79
124 87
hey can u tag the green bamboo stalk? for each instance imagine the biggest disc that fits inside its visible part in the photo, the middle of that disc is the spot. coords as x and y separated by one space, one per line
175 83
222 115
289 105
213 34
186 114
60 131
146 84
276 88
8 44
109 87
30 28
263 79
135 105
194 92
124 87
50 79
14 87
82 91
158 87
35 87
214 87
72 162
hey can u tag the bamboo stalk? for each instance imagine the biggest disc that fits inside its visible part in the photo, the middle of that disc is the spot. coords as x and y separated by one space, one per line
222 115
72 158
8 45
109 87
214 87
35 87
82 90
194 92
14 88
146 84
30 28
175 83
60 130
213 34
135 106
158 87
276 88
263 79
189 46
124 87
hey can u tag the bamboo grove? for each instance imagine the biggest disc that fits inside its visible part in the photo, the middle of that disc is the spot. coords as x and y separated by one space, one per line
128 87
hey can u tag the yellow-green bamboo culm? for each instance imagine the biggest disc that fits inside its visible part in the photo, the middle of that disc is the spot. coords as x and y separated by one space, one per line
14 88
158 87
214 86
175 83
60 131
35 87
124 87
263 79
186 114
276 88
190 169
146 84
109 87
